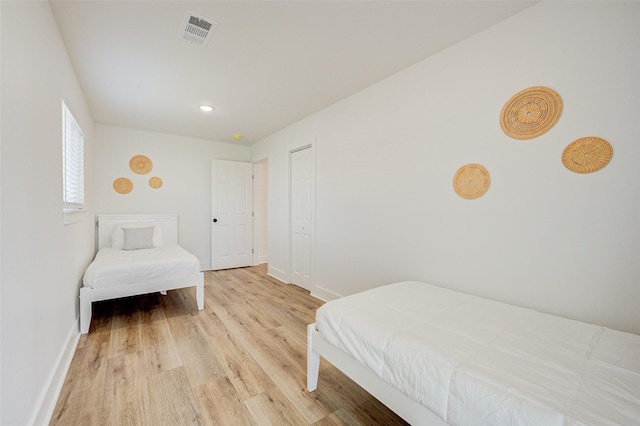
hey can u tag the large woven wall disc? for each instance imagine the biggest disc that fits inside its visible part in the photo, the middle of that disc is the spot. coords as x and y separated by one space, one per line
531 113
122 185
471 181
140 164
587 155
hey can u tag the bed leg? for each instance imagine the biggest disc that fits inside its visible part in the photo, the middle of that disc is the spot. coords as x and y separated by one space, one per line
313 360
85 309
200 295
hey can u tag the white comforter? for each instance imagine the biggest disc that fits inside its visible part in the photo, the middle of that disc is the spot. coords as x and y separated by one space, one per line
120 267
476 361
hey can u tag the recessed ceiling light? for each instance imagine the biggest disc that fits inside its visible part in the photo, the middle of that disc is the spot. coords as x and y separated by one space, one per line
206 108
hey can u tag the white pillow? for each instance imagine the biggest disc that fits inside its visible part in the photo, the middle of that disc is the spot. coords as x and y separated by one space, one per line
138 238
117 234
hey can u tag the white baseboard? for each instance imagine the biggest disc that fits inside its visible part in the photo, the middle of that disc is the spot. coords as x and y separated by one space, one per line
205 266
277 274
51 391
325 294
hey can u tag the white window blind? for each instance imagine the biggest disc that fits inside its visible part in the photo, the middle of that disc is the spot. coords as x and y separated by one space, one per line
72 161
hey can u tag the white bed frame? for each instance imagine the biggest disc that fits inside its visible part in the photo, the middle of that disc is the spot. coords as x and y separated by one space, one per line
169 223
410 410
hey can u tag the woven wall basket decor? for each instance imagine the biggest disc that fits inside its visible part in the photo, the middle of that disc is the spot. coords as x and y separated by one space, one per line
471 181
587 155
122 185
140 164
531 113
155 182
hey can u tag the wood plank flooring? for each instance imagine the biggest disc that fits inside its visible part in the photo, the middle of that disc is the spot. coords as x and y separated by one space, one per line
157 360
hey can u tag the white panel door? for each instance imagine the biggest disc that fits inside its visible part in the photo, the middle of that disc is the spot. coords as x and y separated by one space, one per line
301 197
231 214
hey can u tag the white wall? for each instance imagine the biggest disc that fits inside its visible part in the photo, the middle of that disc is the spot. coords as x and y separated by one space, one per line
542 237
42 259
184 165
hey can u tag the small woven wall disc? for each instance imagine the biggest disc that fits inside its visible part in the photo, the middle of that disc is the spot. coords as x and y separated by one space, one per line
587 155
471 181
123 185
155 182
531 113
140 164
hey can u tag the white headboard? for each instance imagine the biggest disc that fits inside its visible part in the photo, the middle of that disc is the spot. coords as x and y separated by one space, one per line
169 223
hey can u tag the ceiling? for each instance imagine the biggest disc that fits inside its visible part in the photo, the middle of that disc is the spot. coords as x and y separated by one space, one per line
268 65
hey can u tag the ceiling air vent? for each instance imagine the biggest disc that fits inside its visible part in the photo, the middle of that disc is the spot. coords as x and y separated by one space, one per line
196 29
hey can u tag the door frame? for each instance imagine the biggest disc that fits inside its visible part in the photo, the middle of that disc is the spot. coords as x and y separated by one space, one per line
312 215
259 190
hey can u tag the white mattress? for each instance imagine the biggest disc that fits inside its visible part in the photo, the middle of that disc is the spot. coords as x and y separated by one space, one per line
120 267
476 361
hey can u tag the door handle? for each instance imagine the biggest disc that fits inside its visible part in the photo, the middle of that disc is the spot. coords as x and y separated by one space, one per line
215 220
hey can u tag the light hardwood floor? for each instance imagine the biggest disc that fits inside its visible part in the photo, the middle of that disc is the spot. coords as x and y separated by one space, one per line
157 360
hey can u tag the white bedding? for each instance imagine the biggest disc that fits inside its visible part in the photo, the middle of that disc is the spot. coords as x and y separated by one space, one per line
476 361
113 267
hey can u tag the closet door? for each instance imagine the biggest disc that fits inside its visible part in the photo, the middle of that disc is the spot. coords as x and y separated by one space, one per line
301 215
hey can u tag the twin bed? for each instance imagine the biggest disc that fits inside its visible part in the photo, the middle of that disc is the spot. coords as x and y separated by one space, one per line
138 254
436 357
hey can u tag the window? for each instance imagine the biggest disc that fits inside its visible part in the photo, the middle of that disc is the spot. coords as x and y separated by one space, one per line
72 162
